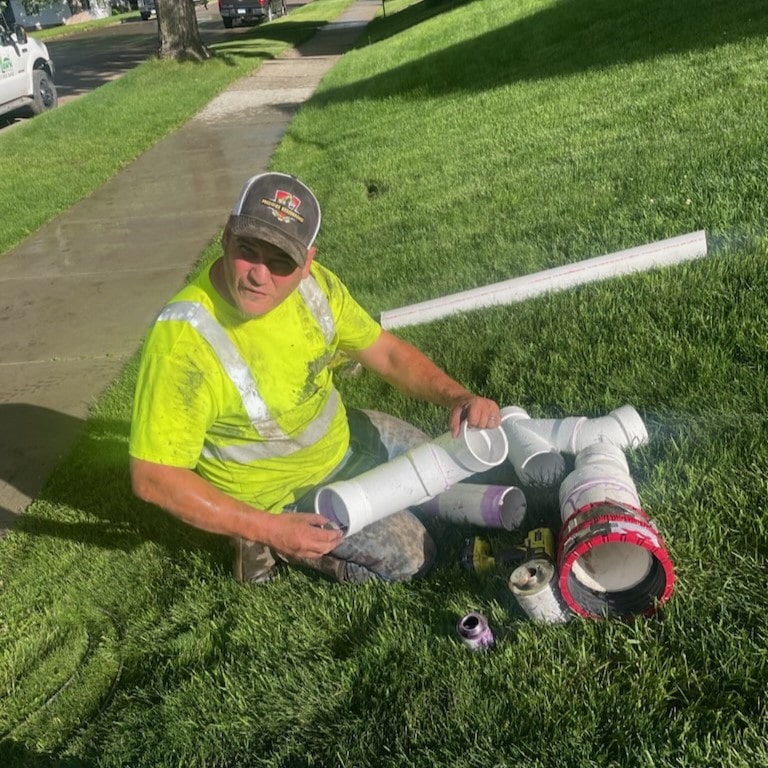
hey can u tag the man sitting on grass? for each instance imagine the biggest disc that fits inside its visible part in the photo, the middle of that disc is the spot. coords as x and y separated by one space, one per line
236 419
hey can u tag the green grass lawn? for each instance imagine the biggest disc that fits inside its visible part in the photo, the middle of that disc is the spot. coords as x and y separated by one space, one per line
460 144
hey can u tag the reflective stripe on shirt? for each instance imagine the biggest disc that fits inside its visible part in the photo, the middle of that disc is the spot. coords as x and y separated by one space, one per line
248 452
276 442
318 305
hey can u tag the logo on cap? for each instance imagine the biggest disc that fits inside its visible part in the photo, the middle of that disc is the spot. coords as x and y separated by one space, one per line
284 206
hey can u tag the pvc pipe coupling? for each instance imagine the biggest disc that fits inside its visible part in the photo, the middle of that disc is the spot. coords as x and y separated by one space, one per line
536 445
411 478
612 559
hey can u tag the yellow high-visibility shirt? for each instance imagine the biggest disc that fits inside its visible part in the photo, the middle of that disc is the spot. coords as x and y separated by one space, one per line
249 403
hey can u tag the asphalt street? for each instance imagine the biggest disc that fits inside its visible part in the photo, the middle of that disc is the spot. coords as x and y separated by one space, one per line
86 60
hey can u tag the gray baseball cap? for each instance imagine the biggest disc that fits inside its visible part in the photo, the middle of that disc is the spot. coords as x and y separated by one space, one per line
280 210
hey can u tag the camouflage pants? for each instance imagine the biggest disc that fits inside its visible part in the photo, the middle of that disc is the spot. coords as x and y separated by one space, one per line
396 548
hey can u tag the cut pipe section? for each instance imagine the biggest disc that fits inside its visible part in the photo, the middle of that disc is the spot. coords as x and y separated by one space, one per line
412 478
659 254
489 506
535 587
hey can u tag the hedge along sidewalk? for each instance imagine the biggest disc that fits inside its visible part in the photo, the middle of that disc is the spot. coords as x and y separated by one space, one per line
80 293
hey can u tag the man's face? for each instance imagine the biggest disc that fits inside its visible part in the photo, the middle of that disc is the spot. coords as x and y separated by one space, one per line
256 276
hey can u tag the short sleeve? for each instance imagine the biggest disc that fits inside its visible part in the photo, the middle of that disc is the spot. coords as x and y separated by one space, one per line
173 407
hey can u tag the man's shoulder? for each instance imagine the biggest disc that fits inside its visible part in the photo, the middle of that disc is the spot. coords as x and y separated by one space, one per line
328 280
321 272
196 297
199 289
175 326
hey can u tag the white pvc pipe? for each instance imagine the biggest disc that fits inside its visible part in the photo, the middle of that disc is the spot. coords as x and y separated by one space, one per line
601 474
490 506
622 427
601 477
536 445
535 459
412 478
662 253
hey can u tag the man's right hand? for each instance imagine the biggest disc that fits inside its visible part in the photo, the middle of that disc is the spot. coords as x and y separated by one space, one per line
301 534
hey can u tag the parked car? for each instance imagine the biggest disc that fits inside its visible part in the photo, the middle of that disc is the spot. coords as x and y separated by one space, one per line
26 73
147 9
250 11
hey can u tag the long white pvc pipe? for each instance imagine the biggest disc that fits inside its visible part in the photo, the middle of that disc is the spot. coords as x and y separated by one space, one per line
662 253
412 478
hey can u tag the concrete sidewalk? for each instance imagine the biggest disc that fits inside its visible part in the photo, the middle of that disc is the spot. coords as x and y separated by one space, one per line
77 297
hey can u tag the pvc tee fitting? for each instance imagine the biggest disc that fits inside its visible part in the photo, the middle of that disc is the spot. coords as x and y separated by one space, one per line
536 445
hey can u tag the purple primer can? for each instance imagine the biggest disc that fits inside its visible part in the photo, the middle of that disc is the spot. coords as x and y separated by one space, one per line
475 633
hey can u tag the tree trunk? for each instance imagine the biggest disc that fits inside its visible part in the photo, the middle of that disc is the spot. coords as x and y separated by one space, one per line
177 31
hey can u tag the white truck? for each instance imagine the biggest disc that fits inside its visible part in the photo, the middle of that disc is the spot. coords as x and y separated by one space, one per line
26 73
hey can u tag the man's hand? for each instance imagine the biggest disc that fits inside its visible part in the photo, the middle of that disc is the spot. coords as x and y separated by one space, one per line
186 495
479 412
301 534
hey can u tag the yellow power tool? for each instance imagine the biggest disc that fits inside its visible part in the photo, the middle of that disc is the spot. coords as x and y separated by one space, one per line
478 555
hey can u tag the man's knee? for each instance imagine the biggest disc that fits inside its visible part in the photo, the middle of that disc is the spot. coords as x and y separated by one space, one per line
253 562
396 435
396 548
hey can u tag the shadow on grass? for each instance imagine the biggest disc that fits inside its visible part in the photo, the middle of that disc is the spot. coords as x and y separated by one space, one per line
244 45
15 755
567 38
391 24
88 497
309 39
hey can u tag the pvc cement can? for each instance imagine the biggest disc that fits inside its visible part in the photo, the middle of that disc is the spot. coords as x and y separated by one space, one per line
475 633
534 585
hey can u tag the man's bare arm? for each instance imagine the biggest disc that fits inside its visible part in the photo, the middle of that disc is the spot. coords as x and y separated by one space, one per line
186 495
413 373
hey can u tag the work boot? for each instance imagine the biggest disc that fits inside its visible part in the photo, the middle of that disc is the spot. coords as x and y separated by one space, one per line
253 563
326 564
